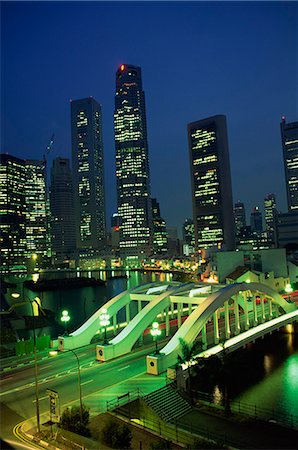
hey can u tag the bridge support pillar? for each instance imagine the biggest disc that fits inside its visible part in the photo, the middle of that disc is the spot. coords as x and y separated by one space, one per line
155 364
263 309
246 316
127 313
236 313
179 307
215 327
167 321
227 321
270 308
104 352
204 337
114 324
255 312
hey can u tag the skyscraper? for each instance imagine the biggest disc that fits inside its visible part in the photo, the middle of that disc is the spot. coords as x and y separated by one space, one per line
132 163
270 216
160 235
256 221
289 136
63 230
36 214
239 217
13 211
211 183
88 173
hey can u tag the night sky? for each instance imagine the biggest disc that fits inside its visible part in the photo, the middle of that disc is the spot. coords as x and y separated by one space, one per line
198 59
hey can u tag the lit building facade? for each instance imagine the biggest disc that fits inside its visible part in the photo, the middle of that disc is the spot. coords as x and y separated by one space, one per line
160 235
63 231
239 217
188 234
211 183
289 136
36 213
270 216
88 173
132 164
13 246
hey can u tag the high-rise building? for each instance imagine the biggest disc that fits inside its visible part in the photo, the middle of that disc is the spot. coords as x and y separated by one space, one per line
36 214
239 217
188 232
160 235
63 231
88 173
289 136
132 163
256 221
270 216
211 183
13 248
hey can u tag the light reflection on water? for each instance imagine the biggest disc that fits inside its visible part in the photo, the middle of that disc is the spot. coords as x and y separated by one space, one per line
278 388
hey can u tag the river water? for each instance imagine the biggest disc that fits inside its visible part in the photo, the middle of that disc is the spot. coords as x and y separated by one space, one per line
264 373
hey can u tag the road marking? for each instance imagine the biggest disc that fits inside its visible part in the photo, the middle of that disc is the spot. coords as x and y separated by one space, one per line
41 398
45 367
123 368
86 382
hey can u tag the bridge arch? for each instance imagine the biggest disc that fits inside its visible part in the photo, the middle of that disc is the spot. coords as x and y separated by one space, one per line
208 309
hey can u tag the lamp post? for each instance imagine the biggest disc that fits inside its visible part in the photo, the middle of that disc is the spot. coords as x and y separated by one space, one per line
155 332
104 322
54 353
17 295
288 290
65 318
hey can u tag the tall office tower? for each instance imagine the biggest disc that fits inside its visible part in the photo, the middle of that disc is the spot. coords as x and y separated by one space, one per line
256 222
270 216
115 232
160 235
239 217
13 211
63 227
88 173
132 163
36 214
188 232
289 136
211 183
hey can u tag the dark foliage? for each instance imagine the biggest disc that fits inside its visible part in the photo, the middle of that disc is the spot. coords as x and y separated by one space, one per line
71 420
116 435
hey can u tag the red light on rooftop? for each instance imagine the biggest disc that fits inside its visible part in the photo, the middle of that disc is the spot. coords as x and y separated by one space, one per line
122 67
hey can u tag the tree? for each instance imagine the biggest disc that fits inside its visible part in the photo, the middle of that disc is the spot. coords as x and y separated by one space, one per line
71 420
188 356
116 435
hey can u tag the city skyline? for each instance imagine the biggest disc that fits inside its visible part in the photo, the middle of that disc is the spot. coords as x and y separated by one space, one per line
189 72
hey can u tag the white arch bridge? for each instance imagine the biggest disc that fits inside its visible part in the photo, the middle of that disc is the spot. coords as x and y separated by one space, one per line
235 313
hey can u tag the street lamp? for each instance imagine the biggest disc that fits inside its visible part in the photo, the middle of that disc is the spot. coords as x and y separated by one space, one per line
155 332
65 318
104 322
17 295
54 353
288 290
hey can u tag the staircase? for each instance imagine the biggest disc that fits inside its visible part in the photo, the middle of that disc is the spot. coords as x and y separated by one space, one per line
167 403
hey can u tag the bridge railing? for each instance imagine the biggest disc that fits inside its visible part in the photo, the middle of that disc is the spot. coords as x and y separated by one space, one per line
254 411
123 399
